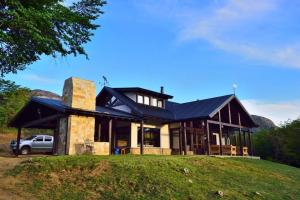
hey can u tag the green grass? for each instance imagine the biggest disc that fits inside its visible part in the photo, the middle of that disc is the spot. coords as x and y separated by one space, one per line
156 177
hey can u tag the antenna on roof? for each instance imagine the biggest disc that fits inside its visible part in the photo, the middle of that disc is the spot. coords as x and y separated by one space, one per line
105 81
234 86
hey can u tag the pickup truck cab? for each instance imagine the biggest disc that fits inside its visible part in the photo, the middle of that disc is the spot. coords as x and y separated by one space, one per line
34 143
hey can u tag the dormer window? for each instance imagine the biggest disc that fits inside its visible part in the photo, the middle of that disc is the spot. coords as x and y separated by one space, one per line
154 102
146 100
140 99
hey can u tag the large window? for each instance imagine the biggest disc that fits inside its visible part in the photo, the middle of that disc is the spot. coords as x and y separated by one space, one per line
140 99
151 137
146 100
160 103
154 102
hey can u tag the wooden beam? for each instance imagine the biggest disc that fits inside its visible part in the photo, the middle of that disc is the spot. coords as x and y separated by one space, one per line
207 138
229 113
220 134
110 136
142 138
240 137
42 120
185 139
192 136
226 124
18 141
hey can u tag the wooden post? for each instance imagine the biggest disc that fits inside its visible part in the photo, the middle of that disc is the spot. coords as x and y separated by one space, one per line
250 143
185 139
240 137
180 140
142 138
18 141
110 135
220 136
229 112
192 136
56 137
207 138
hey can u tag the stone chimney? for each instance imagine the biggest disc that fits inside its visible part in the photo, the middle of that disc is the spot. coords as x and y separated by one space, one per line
79 93
75 130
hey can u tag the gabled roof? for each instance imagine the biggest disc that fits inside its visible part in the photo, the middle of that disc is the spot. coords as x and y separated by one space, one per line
144 91
138 109
197 109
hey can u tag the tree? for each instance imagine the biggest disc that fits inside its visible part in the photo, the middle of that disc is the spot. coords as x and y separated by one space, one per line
12 98
31 28
281 144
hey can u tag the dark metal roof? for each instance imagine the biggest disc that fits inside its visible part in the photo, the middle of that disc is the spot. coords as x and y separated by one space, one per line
59 106
197 109
144 91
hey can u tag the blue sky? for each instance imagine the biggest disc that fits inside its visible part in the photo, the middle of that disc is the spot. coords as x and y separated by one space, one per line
196 49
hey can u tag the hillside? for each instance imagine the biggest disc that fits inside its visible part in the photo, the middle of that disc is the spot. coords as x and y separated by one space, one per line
44 93
263 122
155 177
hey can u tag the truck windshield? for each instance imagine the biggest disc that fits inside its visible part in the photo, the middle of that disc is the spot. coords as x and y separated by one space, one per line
30 138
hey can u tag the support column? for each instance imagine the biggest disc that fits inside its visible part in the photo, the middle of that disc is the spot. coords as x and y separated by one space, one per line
229 112
18 141
110 136
180 140
220 136
56 138
207 138
142 138
185 138
240 137
250 143
192 136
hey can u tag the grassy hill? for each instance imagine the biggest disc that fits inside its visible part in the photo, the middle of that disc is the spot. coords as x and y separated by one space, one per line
155 177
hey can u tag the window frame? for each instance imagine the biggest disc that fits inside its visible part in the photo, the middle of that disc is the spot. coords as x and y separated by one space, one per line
142 98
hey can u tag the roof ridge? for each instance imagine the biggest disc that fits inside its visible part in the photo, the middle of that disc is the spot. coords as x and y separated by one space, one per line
229 95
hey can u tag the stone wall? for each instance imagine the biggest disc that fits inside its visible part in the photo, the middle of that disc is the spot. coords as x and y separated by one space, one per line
62 133
151 150
81 132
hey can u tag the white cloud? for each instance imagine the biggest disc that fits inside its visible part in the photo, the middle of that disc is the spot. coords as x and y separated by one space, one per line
234 26
279 112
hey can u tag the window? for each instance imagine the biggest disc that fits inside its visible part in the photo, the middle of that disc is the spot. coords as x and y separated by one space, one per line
48 139
160 103
146 100
151 137
39 139
140 99
154 102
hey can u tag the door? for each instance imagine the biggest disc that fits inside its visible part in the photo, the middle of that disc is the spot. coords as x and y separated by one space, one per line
48 143
37 144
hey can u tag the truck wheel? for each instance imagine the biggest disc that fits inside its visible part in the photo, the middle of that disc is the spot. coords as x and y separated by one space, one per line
25 150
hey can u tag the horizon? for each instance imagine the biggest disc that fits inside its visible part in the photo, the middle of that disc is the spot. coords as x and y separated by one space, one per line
196 50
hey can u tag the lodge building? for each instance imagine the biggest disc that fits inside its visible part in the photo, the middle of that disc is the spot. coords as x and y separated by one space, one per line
138 121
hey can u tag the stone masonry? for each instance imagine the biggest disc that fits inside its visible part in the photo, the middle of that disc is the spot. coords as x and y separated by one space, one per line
76 131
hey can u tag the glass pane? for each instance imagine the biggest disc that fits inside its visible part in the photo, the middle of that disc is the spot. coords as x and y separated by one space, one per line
159 103
146 100
154 102
140 99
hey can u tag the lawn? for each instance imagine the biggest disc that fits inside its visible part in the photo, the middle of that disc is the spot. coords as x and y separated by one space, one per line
156 177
